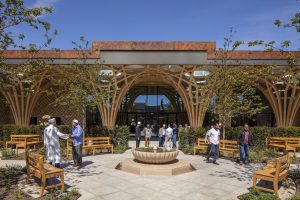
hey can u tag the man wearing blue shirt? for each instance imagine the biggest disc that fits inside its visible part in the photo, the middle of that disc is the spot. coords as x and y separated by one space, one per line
77 140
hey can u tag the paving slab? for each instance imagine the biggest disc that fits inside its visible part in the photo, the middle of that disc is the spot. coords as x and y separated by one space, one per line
98 179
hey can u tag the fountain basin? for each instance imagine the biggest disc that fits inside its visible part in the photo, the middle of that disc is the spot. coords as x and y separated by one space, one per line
149 155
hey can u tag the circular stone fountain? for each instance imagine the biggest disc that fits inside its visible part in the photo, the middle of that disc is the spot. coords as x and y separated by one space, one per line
155 155
155 161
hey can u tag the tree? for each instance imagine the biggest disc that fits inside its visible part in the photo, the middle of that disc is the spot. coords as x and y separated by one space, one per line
83 84
22 83
232 86
13 13
282 86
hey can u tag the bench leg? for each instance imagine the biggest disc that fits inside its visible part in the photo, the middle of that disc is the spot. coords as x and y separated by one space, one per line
254 181
43 185
194 151
62 180
94 152
27 178
112 150
287 182
276 189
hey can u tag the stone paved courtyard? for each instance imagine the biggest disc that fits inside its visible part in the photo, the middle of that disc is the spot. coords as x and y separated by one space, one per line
99 180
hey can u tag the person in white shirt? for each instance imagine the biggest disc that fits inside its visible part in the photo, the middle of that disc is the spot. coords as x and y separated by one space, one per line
148 133
213 136
169 133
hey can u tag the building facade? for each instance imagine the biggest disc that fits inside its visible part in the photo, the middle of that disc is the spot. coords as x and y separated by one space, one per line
156 83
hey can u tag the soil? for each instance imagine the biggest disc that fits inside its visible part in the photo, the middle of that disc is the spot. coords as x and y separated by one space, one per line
10 191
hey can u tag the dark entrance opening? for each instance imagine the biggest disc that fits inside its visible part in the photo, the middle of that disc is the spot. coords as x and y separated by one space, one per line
154 105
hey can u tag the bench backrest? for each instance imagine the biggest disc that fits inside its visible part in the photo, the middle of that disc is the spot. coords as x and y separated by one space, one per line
283 140
90 141
230 144
23 138
270 141
35 163
201 142
282 165
96 141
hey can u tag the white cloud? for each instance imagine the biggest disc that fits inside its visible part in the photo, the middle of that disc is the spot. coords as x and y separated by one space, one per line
43 3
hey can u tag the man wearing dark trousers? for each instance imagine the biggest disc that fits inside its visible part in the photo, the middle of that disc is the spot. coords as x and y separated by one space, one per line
77 140
245 139
213 136
138 134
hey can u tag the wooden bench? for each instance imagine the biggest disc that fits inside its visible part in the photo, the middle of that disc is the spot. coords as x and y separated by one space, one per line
274 172
37 167
201 145
285 144
24 141
229 146
92 143
2 144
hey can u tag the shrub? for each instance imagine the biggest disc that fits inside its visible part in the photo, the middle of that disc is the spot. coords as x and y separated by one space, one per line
188 138
8 129
297 197
255 194
8 153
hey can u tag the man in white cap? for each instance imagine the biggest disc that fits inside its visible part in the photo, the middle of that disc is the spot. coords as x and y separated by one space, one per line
51 142
77 140
138 134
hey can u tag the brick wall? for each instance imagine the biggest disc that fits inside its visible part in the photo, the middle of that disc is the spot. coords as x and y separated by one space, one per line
5 113
66 114
297 119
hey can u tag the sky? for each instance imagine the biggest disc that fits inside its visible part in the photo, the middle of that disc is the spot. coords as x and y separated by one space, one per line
164 20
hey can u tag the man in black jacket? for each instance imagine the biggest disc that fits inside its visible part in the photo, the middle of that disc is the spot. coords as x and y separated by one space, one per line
138 134
245 139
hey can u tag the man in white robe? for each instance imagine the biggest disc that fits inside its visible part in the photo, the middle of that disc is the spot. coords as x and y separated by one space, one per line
51 142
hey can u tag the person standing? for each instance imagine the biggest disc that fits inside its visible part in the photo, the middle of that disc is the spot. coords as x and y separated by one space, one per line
161 135
245 139
213 137
51 142
77 141
169 133
138 135
174 136
148 134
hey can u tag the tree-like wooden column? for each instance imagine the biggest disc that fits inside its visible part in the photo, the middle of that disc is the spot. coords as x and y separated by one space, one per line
115 89
182 80
22 92
185 83
282 90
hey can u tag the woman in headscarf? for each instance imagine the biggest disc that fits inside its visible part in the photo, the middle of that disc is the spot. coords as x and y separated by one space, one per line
51 142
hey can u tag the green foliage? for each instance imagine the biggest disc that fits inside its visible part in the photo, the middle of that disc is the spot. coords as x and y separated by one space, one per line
19 194
188 138
120 136
297 197
14 13
9 129
232 89
262 154
8 153
120 149
257 195
9 174
261 133
41 150
86 84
